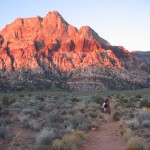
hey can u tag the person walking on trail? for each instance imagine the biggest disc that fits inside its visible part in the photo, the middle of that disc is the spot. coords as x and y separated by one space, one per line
106 109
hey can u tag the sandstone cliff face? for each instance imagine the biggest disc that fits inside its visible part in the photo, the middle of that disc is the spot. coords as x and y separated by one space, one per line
33 43
24 38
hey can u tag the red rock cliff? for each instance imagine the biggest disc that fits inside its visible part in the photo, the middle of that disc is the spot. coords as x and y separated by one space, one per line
21 40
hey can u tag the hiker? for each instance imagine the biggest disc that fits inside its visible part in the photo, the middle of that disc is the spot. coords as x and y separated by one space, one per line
106 109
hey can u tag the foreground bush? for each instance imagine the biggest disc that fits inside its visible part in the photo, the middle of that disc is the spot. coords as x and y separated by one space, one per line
135 145
45 137
72 141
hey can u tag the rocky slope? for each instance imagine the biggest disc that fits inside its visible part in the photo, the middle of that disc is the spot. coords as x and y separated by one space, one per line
48 52
145 56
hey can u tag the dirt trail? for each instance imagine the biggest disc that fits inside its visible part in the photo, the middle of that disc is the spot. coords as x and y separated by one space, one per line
106 138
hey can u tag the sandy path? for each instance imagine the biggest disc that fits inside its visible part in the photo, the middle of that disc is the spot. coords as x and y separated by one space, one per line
106 138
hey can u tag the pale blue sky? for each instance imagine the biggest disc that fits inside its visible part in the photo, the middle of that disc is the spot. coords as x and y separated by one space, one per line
120 22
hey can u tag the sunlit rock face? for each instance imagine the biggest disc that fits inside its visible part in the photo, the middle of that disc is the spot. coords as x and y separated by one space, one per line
27 43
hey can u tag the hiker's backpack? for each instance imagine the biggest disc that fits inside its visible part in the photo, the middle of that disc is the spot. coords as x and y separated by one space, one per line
104 107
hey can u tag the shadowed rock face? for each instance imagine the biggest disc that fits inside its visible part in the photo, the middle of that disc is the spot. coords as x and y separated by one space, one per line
144 56
33 43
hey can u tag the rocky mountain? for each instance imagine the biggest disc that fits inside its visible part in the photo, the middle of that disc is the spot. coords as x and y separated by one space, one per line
44 53
145 56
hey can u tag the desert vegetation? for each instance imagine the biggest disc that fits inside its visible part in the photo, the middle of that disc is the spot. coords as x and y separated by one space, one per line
132 108
58 120
47 119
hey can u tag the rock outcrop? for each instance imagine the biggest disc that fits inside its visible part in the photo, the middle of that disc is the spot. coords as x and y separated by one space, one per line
51 46
144 56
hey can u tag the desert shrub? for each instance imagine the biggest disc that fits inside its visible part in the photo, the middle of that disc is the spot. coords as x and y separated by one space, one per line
74 99
116 105
84 126
146 123
145 103
125 132
134 98
123 101
54 116
142 119
31 112
80 108
122 130
27 111
21 95
77 120
5 100
53 119
7 121
79 134
57 144
4 111
92 112
13 100
29 94
5 133
72 141
134 123
29 123
138 96
142 116
41 107
56 97
94 124
117 115
41 98
18 105
45 137
135 145
97 99
147 135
